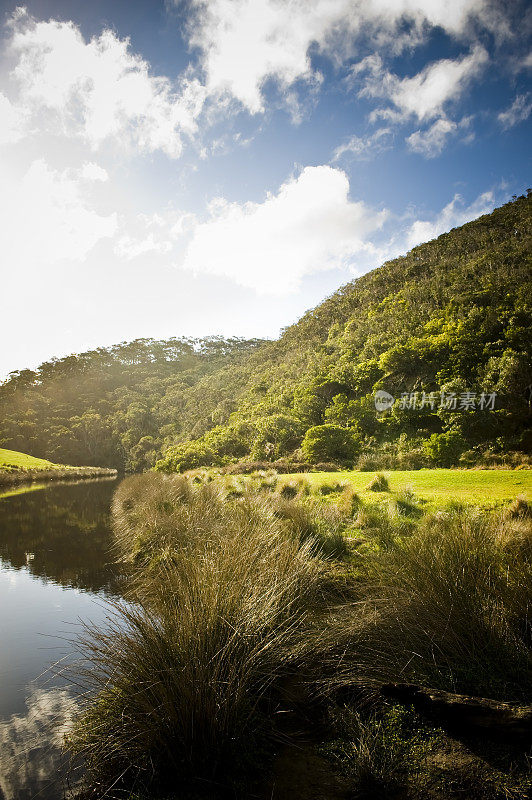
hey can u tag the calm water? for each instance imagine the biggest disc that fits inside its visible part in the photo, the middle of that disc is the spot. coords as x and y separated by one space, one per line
55 570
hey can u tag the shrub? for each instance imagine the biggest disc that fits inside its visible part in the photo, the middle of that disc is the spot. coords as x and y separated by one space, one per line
331 488
329 443
349 501
378 752
445 449
326 466
322 524
289 490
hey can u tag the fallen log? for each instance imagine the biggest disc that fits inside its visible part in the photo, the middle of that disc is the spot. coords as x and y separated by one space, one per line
480 714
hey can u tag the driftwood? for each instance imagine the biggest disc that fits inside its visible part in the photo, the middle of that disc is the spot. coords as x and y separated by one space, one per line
477 714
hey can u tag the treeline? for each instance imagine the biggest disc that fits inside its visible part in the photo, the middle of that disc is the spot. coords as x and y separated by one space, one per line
446 330
117 406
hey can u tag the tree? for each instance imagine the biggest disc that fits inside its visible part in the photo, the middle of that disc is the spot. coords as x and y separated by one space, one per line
330 443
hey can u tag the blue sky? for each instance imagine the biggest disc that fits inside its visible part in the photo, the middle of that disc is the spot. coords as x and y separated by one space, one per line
193 168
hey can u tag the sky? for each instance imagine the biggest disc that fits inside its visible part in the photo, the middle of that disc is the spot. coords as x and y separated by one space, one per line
202 167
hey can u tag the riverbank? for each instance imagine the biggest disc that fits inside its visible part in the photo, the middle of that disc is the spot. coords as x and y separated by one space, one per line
290 642
16 468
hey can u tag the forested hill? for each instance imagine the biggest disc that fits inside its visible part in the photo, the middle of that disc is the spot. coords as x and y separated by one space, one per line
453 316
117 406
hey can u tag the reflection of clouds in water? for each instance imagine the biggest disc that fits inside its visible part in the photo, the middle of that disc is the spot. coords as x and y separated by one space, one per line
31 744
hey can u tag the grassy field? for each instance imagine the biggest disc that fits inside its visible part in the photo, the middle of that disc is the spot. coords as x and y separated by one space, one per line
436 486
12 458
18 467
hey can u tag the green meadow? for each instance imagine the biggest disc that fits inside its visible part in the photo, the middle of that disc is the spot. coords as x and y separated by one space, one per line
12 459
438 487
16 467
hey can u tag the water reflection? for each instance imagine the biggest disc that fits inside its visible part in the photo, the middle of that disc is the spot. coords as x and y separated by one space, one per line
32 760
56 570
61 534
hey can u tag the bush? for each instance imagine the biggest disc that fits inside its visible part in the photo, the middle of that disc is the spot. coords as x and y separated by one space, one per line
330 443
450 608
445 449
331 488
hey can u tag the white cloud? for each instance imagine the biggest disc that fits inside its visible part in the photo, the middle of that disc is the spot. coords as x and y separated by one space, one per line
365 147
93 172
453 215
425 94
308 226
47 216
518 112
155 233
431 141
246 42
98 90
13 121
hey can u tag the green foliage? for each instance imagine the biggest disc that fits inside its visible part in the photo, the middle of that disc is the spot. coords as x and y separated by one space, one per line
445 449
455 312
121 406
330 443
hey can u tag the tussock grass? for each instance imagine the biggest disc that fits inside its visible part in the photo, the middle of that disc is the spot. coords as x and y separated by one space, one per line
237 597
185 679
448 606
378 484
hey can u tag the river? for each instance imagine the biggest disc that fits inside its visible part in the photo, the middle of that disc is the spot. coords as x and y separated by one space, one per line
56 571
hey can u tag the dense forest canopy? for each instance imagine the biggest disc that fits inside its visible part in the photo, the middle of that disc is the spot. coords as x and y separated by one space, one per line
117 406
451 317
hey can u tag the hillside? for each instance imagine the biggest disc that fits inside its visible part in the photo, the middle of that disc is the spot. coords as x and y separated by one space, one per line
453 316
21 468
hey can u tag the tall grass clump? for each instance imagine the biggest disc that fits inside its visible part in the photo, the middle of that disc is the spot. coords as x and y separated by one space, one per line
183 680
379 484
449 606
320 524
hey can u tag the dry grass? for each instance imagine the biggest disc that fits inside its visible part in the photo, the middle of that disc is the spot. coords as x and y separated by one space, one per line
448 606
185 679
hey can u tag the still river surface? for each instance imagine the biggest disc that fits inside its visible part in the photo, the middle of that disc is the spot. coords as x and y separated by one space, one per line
56 571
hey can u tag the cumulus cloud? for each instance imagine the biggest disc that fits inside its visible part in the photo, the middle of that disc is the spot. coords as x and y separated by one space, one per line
517 112
93 172
13 121
244 43
423 95
47 215
101 91
309 225
98 90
